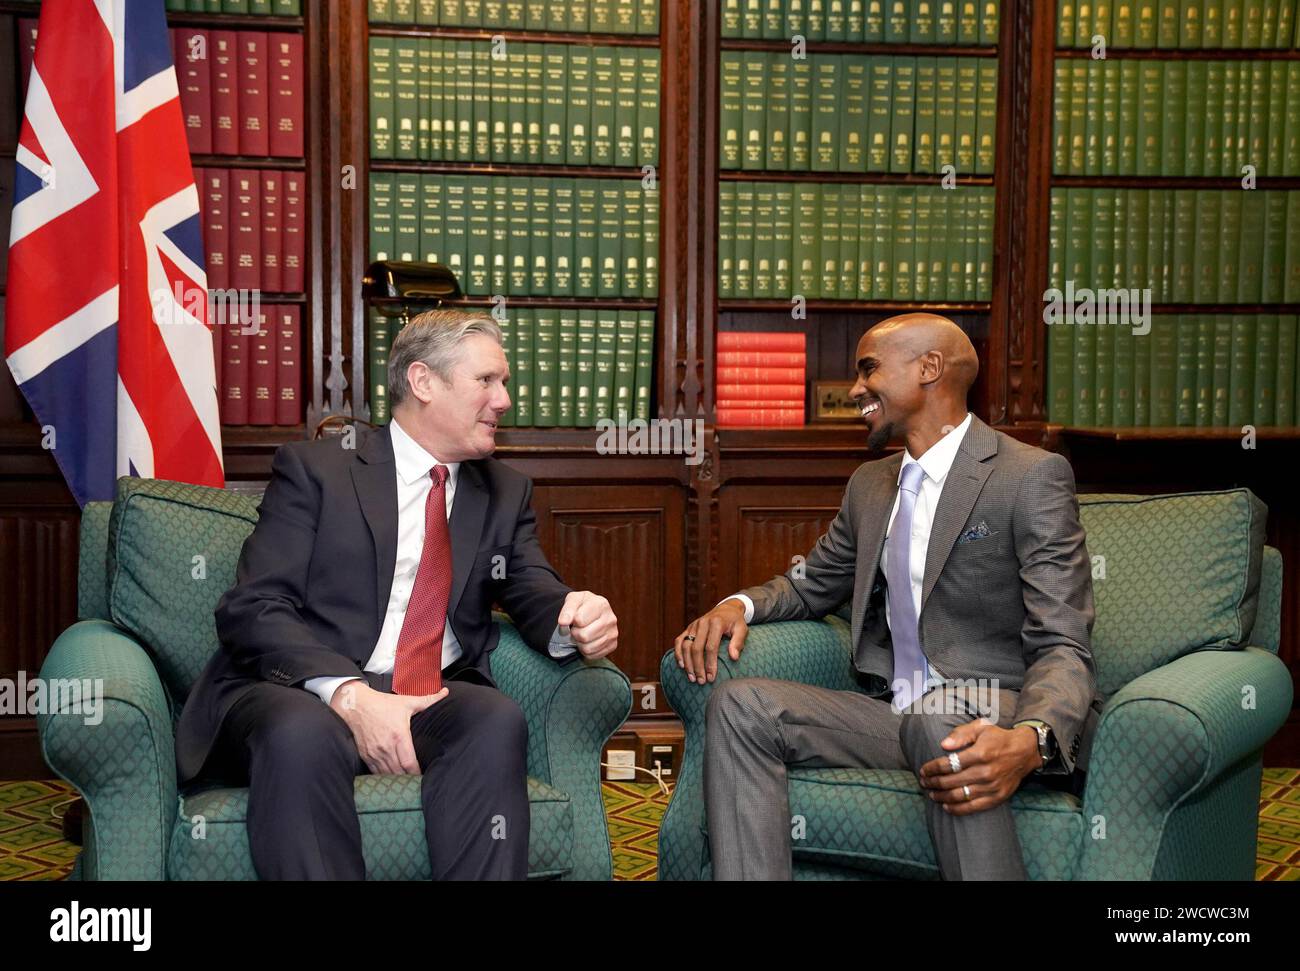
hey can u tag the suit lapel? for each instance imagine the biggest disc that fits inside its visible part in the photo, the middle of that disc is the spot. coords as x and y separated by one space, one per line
468 511
961 489
873 517
375 479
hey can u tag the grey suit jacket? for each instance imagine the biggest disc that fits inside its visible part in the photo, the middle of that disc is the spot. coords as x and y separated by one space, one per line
1013 604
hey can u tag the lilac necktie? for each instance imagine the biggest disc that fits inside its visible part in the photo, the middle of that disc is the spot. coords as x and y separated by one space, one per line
909 659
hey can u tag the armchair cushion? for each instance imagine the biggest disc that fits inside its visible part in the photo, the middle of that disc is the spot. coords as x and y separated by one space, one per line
1182 574
158 588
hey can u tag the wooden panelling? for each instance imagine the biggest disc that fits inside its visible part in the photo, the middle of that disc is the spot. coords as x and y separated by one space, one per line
762 529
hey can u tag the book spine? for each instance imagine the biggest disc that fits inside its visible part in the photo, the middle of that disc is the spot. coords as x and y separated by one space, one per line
433 247
1285 375
235 349
285 101
602 109
539 244
1241 398
478 238
1164 371
406 217
806 243
381 216
584 412
455 227
854 128
216 227
609 249
563 225
499 274
648 108
261 372
630 245
645 347
753 113
272 224
726 240
288 364
730 108
578 106
246 236
987 114
744 280
254 112
546 349
382 105
1264 410
523 367
586 242
967 112
626 70
880 110
193 76
650 244
774 342
606 353
567 368
904 115
1224 332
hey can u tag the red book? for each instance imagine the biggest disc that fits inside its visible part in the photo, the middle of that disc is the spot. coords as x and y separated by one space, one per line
261 372
288 364
26 47
225 92
761 359
271 279
253 106
246 229
214 324
216 226
760 341
286 94
760 375
235 348
759 392
777 404
293 234
738 417
190 49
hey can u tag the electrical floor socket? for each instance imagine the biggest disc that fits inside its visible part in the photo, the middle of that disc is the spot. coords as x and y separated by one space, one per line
622 766
662 755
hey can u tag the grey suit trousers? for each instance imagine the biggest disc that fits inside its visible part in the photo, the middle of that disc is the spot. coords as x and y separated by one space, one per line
756 727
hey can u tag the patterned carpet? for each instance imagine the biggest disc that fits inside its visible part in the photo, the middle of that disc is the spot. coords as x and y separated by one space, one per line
32 846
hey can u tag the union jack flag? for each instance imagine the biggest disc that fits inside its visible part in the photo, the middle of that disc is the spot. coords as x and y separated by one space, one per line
107 332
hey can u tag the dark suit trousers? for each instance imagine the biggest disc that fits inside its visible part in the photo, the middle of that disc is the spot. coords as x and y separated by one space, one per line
299 760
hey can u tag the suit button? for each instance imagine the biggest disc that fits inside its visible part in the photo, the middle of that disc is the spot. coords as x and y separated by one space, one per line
1074 747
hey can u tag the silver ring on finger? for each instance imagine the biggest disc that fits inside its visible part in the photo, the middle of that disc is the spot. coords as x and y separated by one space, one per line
954 763
690 637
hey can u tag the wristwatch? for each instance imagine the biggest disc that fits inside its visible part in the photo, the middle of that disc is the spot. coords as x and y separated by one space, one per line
1047 748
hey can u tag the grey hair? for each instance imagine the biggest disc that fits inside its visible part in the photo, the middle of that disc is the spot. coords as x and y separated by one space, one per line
434 337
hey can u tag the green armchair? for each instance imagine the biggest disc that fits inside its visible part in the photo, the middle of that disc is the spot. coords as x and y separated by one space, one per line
136 579
1188 611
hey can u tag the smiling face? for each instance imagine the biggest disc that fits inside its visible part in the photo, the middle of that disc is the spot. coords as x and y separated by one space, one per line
888 390
457 420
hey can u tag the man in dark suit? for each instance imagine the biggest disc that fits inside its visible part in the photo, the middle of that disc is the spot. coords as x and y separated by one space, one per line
358 632
971 622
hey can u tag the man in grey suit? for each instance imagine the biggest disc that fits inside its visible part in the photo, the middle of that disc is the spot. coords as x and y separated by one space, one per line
972 613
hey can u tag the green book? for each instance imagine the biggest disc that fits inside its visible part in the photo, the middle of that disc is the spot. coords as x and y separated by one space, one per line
1083 24
904 242
1200 335
1056 223
903 122
455 224
523 366
1123 374
923 155
764 238
751 19
405 96
546 362
463 80
783 241
647 16
921 26
625 367
1167 28
873 22
1078 114
1285 375
1121 273
1291 286
626 80
1150 117
578 106
1208 249
730 18
471 12
1122 26
1142 379
1078 245
1228 240
648 109
1164 336
1291 134
521 234
945 22
1252 24
1102 260
609 243
853 109
450 13
1235 120
432 105
1241 393
829 250
1223 329
1189 25
1061 117
1210 108
645 362
424 102
753 114
987 116
726 240
406 216
1273 269
602 109
1060 344
1110 128
631 247
882 243
382 104
1085 370
650 244
1264 407
563 227
796 18
557 15
777 123
945 113
1144 27
1276 117
1184 375
816 20
880 113
1257 118
1194 119
584 412
507 324
1129 87
1092 118
1285 25
539 243
1250 237
850 222
989 23
378 344
807 240
431 235
866 240
514 107
968 22
744 244
624 16
1133 231
1212 25
954 282
600 16
835 20
799 136
855 15
566 376
967 110
554 103
534 86
827 95
479 239
381 216
1104 384
499 275
923 212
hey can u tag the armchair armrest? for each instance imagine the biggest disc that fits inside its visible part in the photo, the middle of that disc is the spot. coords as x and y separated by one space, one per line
1177 751
815 652
121 758
572 710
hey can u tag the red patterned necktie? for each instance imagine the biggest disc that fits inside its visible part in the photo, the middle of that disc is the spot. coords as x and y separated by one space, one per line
417 668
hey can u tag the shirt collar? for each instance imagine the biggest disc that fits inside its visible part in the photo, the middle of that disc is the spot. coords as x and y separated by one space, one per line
413 462
938 458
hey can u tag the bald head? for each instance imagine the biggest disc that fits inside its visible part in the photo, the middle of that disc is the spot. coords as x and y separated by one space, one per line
913 335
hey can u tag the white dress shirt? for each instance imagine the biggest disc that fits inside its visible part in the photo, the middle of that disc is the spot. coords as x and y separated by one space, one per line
413 485
935 464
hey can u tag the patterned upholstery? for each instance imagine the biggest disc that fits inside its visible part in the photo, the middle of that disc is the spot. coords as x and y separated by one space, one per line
153 647
1181 574
209 840
1174 776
